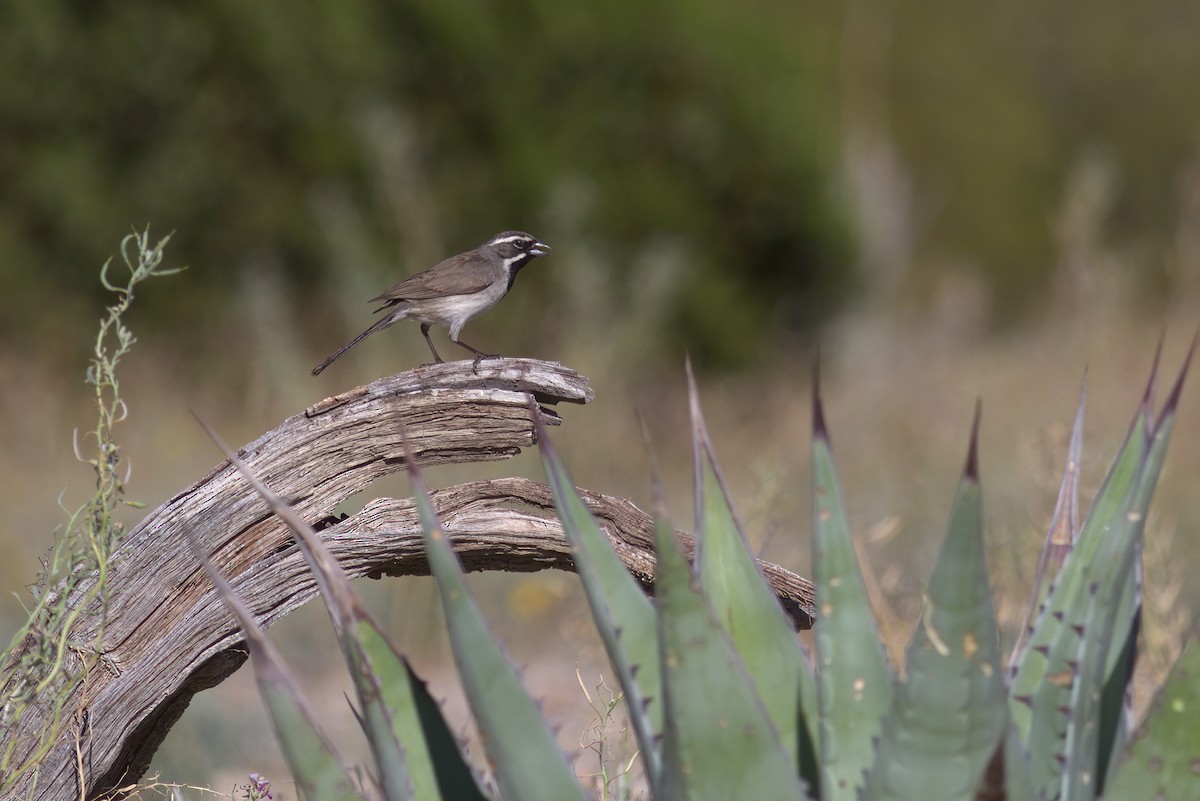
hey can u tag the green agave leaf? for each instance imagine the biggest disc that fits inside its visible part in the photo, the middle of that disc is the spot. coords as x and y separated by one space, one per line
1107 526
1162 760
346 612
718 741
949 715
315 765
377 720
623 614
436 766
1051 703
747 608
1116 710
528 763
1080 779
854 683
317 771
1062 533
1101 580
1018 781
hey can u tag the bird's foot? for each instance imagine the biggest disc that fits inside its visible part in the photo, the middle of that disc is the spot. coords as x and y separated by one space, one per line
479 357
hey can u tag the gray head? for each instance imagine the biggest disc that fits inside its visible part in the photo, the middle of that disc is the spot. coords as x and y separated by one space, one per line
515 249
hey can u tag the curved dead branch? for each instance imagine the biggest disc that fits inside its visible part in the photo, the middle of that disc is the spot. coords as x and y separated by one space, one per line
168 636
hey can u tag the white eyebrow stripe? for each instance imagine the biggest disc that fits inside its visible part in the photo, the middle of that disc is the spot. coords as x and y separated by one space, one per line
514 238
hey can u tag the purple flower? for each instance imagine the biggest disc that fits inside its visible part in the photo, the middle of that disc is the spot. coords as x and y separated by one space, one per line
261 786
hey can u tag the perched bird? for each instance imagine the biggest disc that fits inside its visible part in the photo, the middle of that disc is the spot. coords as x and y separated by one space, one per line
455 290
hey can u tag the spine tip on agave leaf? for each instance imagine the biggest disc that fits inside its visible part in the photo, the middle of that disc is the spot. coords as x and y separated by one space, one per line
1044 650
701 442
820 430
1148 395
971 471
1078 629
1027 700
1177 389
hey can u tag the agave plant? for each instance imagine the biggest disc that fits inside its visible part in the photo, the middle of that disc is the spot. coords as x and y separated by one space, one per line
723 699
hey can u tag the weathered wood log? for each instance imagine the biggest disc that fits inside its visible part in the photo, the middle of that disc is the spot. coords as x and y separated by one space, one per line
167 636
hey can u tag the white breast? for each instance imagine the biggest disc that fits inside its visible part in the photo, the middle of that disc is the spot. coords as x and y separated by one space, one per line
455 310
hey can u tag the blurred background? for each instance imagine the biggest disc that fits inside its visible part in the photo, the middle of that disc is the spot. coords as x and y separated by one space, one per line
953 201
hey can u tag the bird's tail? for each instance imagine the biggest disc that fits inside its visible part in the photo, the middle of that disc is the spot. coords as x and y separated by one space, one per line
380 324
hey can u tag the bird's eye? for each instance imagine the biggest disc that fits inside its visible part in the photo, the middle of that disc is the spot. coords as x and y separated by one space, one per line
521 244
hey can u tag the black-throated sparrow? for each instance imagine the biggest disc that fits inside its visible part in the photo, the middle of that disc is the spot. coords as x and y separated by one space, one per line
452 292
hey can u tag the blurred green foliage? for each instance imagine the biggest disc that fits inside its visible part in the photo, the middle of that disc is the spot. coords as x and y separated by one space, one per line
691 120
712 127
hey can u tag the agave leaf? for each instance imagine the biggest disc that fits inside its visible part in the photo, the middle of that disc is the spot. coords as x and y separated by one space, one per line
744 604
1080 778
1063 530
1106 561
1053 700
1018 781
1051 703
348 616
1106 527
623 614
949 715
436 766
378 724
1161 761
1108 576
1116 711
718 741
526 758
314 762
853 680
1123 472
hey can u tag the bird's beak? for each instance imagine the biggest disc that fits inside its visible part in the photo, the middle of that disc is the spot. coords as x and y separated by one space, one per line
540 248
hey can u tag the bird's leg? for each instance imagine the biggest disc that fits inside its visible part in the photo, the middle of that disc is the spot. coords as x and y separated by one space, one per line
425 333
479 355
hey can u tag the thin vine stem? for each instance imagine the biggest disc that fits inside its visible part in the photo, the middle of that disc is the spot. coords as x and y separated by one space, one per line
43 664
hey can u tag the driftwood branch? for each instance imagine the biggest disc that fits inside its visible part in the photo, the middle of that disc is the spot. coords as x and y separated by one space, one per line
167 635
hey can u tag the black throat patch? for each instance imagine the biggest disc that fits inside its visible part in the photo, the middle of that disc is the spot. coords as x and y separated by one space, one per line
516 267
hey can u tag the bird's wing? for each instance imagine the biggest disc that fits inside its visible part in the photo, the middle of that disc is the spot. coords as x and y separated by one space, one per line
457 275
